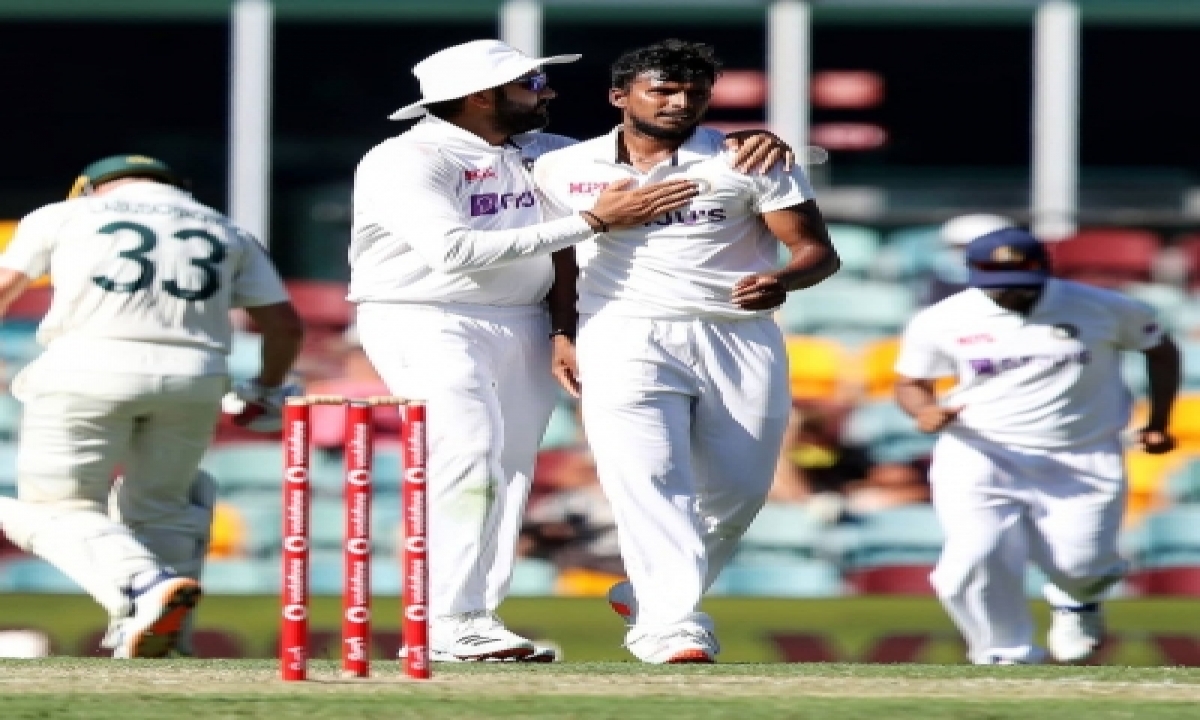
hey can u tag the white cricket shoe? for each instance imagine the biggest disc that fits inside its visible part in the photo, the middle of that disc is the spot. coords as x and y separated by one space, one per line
159 611
1076 633
475 637
540 654
623 601
676 647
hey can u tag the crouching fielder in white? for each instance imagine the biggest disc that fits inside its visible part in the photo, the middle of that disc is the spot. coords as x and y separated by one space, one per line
683 371
131 379
1029 465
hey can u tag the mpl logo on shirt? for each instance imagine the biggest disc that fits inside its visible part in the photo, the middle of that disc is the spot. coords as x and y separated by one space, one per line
586 188
493 203
479 174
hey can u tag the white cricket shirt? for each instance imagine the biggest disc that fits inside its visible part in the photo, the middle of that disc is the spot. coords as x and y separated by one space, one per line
1048 380
441 216
144 278
684 263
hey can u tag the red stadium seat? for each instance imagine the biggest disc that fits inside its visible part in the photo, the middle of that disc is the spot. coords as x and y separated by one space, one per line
321 303
32 305
891 580
1166 581
1106 257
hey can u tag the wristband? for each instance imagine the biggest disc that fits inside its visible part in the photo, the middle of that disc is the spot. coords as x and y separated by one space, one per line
564 332
588 213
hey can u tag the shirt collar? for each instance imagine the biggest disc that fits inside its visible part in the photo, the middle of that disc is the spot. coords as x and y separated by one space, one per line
698 146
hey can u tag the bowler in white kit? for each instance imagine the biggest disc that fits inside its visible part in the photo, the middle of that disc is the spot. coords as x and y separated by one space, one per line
681 368
1029 466
132 377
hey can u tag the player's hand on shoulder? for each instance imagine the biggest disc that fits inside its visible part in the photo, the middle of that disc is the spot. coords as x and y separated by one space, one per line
620 207
1155 442
760 291
757 151
934 418
256 407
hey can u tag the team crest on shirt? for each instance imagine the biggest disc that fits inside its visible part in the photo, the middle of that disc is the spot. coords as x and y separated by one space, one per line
528 163
1007 254
1064 331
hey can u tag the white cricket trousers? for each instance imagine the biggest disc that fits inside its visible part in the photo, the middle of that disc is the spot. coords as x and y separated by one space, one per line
78 429
484 372
1002 507
685 419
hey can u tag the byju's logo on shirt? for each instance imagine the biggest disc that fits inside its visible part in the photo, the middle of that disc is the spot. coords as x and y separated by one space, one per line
690 217
492 203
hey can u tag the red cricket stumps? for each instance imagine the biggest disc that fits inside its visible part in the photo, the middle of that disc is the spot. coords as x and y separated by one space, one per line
297 500
356 561
415 623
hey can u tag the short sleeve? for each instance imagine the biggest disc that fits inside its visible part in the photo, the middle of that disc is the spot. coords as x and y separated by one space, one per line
33 242
920 356
1137 325
780 189
256 282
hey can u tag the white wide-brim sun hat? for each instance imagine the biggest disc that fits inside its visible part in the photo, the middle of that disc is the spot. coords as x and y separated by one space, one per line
460 70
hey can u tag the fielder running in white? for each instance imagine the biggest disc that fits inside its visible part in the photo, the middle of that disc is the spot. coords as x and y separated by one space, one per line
131 379
450 267
682 370
1029 464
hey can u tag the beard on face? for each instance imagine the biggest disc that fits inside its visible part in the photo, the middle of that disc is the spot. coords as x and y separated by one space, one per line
645 127
513 118
1019 299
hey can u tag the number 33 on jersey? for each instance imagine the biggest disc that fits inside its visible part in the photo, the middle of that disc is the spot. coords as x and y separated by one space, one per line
144 263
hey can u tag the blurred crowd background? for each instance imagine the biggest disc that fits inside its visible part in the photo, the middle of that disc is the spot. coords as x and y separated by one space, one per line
922 113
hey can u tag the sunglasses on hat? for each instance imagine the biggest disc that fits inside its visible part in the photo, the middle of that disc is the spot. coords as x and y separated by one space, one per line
533 83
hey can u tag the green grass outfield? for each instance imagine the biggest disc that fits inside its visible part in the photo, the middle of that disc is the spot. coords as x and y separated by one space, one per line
750 629
67 688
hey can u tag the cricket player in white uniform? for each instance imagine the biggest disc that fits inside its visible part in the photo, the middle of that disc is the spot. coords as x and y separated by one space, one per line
450 268
131 379
1029 464
682 369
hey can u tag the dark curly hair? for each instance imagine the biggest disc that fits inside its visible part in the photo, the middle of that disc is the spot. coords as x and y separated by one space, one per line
675 60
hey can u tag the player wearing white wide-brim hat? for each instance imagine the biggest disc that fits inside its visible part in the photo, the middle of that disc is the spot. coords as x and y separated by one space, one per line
471 67
1029 466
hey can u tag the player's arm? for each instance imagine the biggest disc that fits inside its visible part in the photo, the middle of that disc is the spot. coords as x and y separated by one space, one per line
918 398
564 319
802 231
417 200
1163 369
12 284
283 334
27 256
920 362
